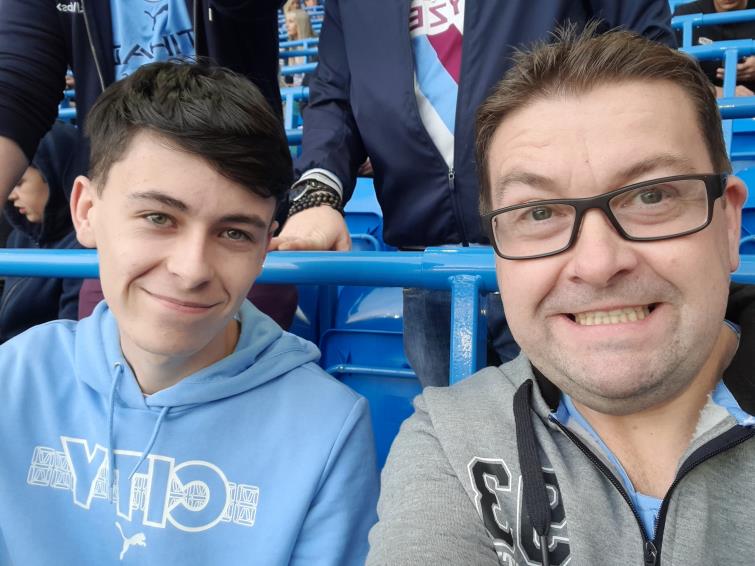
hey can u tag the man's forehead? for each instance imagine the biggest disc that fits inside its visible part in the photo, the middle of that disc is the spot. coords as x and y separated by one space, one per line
611 133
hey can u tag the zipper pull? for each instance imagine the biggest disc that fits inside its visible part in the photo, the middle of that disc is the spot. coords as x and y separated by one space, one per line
209 14
651 554
452 179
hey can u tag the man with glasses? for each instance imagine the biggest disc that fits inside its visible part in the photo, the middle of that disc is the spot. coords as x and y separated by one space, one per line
624 433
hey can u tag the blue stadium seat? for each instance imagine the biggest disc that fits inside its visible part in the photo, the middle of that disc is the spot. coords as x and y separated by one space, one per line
370 308
373 364
363 214
748 212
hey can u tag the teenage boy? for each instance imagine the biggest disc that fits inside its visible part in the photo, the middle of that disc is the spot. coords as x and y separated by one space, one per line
178 424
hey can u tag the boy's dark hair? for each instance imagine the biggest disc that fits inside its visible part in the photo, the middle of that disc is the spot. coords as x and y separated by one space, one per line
575 63
204 110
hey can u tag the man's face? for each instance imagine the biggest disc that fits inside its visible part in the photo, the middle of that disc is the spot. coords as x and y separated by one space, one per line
728 5
584 146
30 195
179 247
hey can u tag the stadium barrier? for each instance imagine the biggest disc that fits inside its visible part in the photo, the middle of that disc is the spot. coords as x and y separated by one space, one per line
466 271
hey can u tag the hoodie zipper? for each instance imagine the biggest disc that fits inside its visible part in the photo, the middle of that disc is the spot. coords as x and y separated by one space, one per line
451 174
92 47
651 549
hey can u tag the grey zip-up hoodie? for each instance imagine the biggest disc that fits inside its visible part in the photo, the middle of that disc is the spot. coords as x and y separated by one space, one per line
482 475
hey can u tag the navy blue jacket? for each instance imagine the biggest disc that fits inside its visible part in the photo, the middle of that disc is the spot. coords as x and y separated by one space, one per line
362 102
27 301
39 39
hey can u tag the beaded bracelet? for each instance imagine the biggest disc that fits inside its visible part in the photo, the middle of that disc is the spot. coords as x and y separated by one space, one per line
316 198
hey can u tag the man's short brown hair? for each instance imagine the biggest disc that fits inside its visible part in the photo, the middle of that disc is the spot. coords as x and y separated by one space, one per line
577 62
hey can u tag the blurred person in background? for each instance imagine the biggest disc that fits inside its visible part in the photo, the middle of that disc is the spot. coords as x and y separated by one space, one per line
38 211
291 5
298 26
725 32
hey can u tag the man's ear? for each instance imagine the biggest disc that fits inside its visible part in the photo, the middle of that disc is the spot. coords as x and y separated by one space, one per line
83 197
734 198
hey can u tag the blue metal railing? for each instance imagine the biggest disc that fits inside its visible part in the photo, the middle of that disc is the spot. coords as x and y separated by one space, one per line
466 271
727 51
688 22
294 69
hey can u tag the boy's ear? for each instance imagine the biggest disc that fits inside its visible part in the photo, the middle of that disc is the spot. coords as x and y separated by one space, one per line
83 197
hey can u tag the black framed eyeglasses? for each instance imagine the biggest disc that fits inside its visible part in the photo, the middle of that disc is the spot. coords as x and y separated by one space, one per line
653 210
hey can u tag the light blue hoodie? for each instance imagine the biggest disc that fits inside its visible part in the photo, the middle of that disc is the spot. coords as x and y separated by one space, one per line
261 458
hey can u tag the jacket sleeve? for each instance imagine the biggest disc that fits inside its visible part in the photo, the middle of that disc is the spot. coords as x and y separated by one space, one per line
32 70
331 138
651 18
336 526
425 515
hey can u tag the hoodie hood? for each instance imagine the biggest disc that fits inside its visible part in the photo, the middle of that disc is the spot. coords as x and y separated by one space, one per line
55 159
263 353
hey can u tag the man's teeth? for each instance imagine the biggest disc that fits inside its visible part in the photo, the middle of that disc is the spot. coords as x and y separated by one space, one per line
628 314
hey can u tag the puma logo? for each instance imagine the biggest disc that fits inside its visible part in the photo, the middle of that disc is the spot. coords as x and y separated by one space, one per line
163 8
139 539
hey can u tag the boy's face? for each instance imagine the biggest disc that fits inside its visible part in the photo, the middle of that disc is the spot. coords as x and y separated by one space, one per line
30 195
179 247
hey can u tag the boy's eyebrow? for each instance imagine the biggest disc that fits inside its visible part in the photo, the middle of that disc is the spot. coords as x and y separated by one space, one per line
251 219
160 197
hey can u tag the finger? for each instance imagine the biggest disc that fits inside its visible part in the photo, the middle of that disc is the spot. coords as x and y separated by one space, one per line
343 244
275 243
301 244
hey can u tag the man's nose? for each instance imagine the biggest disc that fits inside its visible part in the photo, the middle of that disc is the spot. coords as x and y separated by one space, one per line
600 253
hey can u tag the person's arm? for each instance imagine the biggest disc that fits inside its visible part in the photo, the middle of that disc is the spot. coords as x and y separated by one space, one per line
331 139
332 149
425 516
650 18
32 78
335 529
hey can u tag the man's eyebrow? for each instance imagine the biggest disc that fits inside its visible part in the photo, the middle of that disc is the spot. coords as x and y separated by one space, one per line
674 164
677 163
523 178
161 198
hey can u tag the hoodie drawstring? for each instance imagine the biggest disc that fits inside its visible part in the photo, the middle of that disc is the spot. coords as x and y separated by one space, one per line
535 493
110 478
151 442
110 433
